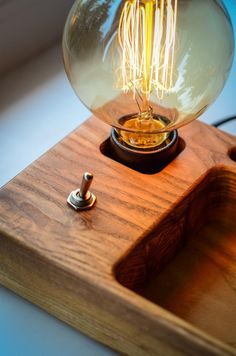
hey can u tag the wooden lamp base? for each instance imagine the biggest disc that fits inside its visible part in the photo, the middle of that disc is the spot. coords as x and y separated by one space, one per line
151 268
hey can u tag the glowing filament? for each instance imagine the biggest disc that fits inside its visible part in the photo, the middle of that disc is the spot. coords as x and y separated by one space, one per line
146 35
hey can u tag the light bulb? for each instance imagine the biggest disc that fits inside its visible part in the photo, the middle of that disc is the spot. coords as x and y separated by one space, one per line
148 67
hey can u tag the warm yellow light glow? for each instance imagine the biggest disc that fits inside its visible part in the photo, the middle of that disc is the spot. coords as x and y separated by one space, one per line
148 67
146 35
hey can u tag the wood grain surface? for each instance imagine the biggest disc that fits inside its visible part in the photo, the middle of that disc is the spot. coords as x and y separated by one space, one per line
68 262
199 284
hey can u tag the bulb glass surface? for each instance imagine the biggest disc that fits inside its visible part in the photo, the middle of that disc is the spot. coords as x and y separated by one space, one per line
148 66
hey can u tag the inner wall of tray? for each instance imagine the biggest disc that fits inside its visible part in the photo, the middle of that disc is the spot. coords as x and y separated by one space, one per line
187 265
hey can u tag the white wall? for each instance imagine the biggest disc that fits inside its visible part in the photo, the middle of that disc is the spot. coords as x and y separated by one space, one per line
29 26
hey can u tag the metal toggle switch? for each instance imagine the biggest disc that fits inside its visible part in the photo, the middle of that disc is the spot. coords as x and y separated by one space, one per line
82 199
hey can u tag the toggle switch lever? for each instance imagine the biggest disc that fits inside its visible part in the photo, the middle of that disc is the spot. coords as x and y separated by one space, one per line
82 199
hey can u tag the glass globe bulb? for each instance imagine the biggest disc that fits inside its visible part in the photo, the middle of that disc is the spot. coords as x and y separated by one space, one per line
148 67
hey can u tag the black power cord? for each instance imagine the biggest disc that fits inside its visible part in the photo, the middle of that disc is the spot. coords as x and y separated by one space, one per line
224 121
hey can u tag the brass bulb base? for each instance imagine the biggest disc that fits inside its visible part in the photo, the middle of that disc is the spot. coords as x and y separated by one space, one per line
145 160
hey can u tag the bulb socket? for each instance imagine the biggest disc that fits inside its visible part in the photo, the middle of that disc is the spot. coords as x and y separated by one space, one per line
144 160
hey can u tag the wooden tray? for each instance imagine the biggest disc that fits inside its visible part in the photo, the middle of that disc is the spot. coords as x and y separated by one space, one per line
152 268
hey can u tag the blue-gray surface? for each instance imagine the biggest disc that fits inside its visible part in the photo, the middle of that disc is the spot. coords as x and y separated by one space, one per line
34 102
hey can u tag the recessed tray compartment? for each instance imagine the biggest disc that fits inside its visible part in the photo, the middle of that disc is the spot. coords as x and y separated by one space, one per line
187 265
